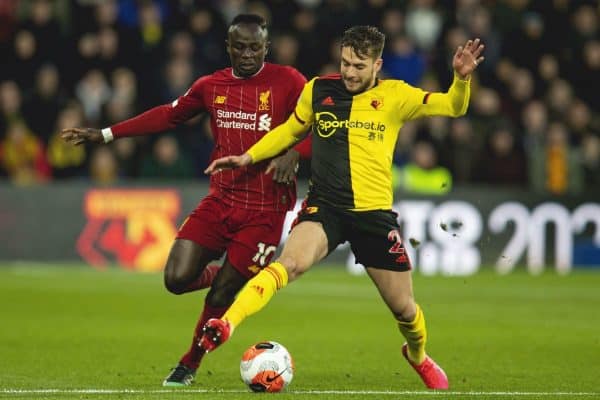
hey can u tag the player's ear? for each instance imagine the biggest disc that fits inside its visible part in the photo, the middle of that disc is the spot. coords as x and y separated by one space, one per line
378 64
267 47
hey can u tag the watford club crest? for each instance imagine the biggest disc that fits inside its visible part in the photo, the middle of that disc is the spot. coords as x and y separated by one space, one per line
377 103
131 227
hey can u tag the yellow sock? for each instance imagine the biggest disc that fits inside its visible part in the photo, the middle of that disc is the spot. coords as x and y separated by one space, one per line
257 293
415 333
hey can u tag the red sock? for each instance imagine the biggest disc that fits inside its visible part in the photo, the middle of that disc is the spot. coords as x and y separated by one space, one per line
194 355
204 280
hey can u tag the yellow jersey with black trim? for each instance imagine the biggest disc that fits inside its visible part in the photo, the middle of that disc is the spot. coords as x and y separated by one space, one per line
354 135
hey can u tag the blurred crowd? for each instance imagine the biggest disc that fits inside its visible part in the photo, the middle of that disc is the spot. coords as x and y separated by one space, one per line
534 118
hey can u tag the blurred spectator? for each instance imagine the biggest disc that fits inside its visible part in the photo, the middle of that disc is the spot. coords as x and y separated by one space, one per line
42 24
590 146
485 110
548 70
502 161
103 167
559 97
526 45
179 75
285 49
477 21
461 148
109 51
208 29
25 58
127 153
166 162
123 102
403 61
556 167
116 57
47 100
521 89
534 121
392 22
8 22
22 156
10 105
311 52
423 23
588 71
579 120
334 17
66 160
423 175
93 92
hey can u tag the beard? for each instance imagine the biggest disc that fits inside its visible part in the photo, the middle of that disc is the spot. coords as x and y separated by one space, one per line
356 87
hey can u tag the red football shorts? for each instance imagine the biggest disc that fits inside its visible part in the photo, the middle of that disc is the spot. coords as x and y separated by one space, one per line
249 237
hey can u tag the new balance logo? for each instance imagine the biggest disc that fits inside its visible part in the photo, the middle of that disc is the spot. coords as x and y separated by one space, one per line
328 101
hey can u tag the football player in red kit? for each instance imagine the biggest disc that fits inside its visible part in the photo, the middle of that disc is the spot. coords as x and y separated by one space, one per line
243 214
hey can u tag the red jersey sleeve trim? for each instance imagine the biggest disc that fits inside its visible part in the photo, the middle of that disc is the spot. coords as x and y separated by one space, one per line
331 76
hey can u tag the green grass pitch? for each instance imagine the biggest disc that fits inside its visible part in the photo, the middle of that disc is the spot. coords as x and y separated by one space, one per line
70 332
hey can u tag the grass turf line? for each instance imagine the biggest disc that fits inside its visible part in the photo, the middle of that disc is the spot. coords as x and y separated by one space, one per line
76 328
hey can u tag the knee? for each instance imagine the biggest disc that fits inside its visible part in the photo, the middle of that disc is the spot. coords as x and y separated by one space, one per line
175 279
294 267
405 309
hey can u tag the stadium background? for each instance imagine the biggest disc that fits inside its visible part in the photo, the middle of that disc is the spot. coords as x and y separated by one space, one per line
512 188
532 132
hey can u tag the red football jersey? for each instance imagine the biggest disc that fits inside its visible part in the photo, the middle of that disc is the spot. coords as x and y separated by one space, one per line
242 111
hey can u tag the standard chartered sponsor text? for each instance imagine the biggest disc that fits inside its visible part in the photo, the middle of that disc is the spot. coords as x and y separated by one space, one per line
236 120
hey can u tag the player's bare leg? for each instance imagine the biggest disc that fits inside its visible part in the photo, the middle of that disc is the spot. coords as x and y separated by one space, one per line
185 266
222 293
186 271
396 290
306 245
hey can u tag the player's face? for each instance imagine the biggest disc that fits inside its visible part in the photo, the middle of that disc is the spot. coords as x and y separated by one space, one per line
358 73
247 47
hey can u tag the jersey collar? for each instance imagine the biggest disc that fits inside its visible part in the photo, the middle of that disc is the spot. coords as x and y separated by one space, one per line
251 76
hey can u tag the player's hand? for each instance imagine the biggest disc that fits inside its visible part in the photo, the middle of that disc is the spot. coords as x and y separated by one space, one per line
228 162
79 136
467 58
284 167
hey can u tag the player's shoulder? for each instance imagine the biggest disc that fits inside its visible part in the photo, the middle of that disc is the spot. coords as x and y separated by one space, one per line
395 83
214 78
327 81
220 75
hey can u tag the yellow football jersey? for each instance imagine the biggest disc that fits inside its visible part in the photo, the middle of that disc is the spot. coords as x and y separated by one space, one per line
354 135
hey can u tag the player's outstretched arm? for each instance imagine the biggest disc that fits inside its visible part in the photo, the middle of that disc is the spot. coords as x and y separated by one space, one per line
79 136
228 162
467 58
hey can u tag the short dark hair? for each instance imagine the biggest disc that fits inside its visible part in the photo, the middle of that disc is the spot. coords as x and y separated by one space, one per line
249 19
365 40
